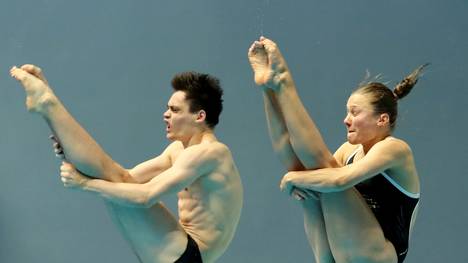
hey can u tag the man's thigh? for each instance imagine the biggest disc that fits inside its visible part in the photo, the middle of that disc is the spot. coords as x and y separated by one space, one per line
151 231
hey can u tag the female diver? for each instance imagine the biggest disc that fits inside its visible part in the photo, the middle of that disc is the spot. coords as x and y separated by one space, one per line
360 202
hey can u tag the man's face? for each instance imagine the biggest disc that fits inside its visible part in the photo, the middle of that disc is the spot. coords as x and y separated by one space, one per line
180 122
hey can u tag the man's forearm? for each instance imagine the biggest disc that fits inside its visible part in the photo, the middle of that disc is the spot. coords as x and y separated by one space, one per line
128 194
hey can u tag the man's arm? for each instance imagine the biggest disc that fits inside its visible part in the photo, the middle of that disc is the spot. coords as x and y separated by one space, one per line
146 171
387 154
143 172
194 162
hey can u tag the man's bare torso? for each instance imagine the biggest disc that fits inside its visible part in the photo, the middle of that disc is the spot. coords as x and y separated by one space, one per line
209 211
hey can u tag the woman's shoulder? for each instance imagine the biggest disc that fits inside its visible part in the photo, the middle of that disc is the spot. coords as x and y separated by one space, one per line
396 144
344 152
390 143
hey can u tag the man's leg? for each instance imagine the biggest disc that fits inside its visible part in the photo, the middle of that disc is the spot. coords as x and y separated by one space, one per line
78 146
353 231
154 234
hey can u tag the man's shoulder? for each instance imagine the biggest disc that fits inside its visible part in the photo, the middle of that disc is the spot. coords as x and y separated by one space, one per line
174 147
213 149
212 153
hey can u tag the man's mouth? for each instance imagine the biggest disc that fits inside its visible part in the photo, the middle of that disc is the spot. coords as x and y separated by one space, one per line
168 126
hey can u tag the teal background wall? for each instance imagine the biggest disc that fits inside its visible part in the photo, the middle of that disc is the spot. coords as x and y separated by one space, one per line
111 63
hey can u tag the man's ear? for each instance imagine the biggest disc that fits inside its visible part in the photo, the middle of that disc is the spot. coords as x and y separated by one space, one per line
201 116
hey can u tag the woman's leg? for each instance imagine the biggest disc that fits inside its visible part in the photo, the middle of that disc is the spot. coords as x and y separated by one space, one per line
293 133
279 134
313 218
305 138
353 231
314 226
78 146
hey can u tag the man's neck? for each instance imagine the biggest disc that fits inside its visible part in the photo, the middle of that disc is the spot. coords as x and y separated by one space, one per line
198 138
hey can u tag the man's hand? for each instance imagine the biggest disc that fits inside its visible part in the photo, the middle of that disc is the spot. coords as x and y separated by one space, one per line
57 147
71 177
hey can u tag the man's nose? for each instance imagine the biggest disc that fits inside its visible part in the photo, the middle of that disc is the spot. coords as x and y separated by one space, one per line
166 114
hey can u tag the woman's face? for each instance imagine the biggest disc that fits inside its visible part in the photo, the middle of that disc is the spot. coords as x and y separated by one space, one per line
361 122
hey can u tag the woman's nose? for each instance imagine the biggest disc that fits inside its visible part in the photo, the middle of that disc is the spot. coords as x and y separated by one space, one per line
347 120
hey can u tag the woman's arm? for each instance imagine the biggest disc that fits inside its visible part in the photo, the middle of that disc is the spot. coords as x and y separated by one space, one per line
385 155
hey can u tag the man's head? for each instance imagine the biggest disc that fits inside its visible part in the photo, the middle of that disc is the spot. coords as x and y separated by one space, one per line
196 103
203 92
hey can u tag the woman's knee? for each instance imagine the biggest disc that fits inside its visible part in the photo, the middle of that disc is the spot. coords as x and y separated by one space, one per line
371 253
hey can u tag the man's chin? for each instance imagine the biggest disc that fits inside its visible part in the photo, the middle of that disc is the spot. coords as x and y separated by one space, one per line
170 137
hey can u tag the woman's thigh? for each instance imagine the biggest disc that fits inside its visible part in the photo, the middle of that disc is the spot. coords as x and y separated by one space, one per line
354 234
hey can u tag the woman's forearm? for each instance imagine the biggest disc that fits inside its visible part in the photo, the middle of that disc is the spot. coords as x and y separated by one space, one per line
320 180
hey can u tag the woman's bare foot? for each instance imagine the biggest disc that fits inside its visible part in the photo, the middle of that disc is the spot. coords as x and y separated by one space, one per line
38 93
268 64
258 59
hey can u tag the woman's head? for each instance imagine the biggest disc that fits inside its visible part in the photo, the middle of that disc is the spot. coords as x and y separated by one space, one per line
373 108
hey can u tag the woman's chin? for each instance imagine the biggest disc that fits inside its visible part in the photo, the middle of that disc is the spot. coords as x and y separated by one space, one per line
352 140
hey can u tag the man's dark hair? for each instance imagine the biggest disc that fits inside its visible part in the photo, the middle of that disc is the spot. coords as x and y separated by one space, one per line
203 92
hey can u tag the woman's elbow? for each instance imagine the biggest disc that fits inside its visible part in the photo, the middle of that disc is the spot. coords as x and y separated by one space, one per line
339 184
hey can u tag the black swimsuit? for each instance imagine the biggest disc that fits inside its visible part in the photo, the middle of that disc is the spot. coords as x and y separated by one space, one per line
393 207
191 253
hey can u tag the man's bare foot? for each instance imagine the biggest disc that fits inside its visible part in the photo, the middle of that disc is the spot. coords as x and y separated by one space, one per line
38 94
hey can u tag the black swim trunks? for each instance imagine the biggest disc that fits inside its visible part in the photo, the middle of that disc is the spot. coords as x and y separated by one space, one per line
191 253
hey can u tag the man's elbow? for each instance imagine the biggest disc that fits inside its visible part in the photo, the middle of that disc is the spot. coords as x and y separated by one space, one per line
144 199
